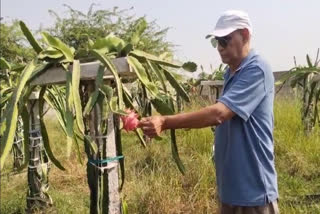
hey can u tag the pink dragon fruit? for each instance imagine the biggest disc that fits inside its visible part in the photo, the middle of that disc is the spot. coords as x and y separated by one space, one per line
130 121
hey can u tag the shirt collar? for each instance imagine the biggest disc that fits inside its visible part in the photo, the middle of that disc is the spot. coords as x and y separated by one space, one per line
245 61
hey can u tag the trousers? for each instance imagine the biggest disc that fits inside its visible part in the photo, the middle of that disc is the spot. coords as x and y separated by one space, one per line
270 208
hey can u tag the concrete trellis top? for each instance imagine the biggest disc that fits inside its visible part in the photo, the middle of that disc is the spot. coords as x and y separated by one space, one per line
88 71
212 82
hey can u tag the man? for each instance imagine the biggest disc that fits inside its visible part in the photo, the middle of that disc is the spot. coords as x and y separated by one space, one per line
244 151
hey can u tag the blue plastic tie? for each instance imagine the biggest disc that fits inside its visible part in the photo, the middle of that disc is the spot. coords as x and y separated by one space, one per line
107 160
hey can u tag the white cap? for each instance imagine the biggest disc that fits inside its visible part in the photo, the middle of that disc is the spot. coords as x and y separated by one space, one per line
230 21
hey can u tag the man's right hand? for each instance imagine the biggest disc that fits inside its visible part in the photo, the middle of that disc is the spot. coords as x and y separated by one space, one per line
152 126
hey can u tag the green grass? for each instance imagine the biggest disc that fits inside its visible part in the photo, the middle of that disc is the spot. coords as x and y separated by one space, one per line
297 160
155 185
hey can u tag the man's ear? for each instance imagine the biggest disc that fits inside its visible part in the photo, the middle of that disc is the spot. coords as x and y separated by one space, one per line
245 35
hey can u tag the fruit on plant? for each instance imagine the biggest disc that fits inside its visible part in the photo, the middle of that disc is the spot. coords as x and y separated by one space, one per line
130 121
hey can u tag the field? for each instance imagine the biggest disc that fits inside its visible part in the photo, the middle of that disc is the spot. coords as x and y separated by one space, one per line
154 184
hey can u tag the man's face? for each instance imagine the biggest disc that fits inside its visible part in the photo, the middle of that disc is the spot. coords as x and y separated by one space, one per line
230 47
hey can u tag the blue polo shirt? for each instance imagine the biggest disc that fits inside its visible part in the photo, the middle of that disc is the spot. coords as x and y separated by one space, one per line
244 157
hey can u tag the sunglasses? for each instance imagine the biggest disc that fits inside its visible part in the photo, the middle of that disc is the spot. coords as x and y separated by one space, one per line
222 41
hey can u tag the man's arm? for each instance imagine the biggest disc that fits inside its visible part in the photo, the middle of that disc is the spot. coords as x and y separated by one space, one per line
208 116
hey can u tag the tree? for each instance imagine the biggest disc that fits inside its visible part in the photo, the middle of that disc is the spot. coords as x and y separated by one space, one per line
13 44
77 27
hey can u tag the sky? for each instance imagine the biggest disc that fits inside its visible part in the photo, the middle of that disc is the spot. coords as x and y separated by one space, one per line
282 29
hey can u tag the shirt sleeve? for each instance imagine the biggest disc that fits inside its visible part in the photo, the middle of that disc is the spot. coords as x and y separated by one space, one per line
246 93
